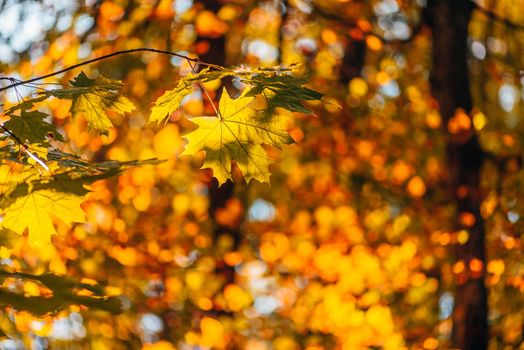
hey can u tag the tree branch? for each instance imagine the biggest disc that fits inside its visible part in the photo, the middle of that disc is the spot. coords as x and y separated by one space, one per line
15 83
116 53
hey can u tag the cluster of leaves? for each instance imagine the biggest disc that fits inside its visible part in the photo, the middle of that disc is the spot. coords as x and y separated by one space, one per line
238 129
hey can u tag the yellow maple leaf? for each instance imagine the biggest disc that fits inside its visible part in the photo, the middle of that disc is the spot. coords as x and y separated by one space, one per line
237 134
35 209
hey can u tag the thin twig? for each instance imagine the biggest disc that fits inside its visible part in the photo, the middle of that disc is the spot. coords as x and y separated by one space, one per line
25 148
16 138
116 53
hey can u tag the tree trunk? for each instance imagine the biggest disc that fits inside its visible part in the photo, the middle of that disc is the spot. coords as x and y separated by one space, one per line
353 61
218 196
449 20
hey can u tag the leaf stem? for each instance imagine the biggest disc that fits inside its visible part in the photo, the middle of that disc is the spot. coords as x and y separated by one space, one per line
36 159
116 53
217 112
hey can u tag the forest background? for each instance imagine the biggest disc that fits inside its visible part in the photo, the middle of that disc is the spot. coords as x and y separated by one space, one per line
392 220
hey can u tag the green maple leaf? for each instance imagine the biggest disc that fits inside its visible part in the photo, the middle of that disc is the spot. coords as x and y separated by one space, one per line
33 210
237 134
171 99
31 126
93 97
65 292
284 91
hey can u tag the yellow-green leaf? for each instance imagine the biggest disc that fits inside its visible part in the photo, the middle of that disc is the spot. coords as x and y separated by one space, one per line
93 97
237 134
171 99
34 211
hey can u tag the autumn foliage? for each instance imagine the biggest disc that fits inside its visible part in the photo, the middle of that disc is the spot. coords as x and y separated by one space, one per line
285 175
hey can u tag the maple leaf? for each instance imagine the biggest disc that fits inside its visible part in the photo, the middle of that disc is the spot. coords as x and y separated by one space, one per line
33 209
237 134
171 99
284 91
92 97
31 126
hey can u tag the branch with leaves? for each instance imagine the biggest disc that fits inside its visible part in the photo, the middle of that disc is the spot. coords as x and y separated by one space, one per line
237 133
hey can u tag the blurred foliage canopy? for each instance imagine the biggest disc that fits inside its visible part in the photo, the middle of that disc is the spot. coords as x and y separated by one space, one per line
131 131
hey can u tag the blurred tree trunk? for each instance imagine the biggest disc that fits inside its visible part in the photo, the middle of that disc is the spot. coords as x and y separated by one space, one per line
353 61
219 195
449 20
216 55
